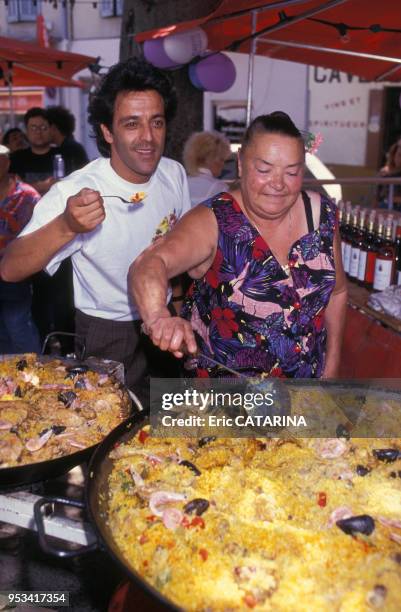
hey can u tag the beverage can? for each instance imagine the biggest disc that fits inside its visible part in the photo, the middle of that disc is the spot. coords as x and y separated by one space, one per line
58 167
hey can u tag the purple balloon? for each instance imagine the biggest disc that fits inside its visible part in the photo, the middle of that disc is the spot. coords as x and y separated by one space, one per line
192 76
154 53
216 72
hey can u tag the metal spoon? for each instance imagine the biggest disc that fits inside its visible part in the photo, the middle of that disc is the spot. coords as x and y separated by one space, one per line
124 200
220 365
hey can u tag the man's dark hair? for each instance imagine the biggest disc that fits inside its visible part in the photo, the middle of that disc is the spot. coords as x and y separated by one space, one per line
62 118
277 122
130 75
6 137
35 111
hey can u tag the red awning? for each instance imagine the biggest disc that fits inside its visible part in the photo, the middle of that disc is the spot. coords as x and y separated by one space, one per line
33 65
310 32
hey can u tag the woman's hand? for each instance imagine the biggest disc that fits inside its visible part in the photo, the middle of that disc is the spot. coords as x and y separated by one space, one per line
172 334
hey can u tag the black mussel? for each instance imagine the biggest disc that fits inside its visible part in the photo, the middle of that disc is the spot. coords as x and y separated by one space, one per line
80 383
342 432
44 431
397 558
190 466
21 364
79 368
58 429
377 596
388 455
14 429
357 524
18 391
67 397
361 470
393 474
206 440
198 505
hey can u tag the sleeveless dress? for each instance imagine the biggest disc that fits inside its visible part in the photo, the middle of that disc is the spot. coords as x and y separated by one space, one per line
248 312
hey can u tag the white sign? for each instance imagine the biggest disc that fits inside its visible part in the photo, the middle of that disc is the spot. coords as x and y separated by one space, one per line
339 105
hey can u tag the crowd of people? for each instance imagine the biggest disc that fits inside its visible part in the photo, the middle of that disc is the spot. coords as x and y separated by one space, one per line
267 288
31 154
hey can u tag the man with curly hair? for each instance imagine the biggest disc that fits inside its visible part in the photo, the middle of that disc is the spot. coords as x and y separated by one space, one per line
129 114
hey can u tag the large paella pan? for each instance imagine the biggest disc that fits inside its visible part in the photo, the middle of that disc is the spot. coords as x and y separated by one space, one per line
53 412
264 524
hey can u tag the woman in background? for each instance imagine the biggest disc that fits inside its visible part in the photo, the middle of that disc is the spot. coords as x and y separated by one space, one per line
392 168
204 156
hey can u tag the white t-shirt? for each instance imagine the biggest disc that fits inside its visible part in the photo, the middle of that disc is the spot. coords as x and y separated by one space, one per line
204 185
101 258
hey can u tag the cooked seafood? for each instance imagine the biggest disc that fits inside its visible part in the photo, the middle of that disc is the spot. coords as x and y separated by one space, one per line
235 524
48 410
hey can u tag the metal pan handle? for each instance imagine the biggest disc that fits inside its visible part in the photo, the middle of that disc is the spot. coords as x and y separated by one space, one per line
48 548
82 349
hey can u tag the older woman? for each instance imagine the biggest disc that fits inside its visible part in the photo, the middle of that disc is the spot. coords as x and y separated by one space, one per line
204 156
269 290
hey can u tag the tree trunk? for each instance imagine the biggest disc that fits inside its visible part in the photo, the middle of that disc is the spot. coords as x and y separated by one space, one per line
142 15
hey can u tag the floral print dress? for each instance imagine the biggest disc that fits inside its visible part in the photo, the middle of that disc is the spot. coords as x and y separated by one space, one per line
248 312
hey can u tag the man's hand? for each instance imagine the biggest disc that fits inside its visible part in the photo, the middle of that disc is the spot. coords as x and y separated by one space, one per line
172 334
84 211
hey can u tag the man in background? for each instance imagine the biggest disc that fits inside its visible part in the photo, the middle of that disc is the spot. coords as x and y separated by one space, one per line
34 165
14 139
18 333
62 126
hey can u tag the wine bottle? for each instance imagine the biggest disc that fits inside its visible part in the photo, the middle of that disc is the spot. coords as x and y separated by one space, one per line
384 266
349 237
367 246
357 242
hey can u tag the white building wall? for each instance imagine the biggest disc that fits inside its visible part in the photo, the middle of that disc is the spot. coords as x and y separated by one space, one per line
278 85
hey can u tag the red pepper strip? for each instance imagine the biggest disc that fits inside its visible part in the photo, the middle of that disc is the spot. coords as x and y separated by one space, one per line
322 499
250 600
185 522
143 538
142 436
203 553
198 521
151 518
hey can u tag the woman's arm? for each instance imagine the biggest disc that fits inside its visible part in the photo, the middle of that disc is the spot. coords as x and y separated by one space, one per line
335 315
190 246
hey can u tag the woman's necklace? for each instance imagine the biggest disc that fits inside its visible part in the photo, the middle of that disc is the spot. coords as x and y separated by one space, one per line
285 267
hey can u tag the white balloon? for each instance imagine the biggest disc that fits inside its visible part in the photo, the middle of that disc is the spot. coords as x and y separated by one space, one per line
184 46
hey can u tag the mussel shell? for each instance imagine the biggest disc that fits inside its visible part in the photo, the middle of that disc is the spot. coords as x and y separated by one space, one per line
79 368
197 505
362 523
67 397
388 455
21 364
80 383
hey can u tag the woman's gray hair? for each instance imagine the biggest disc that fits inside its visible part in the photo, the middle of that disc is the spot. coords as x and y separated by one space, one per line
203 147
